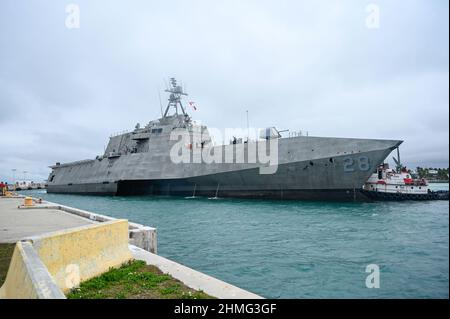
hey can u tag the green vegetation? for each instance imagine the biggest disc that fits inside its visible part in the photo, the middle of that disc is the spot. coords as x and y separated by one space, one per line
6 251
441 175
135 280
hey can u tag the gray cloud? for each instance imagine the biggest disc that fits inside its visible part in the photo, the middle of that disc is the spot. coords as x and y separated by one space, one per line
310 65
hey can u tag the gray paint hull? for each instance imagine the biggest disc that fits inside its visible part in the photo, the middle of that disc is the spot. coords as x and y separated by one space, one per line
309 168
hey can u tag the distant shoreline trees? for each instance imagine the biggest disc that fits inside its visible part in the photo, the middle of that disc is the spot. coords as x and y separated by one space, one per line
430 173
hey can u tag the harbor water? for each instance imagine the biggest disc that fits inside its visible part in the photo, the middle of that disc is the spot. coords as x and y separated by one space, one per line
292 249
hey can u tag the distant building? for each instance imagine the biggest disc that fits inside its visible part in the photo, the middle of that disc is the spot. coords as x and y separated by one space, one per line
28 185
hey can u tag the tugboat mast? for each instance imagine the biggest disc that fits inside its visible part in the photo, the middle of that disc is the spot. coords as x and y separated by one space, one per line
398 164
176 92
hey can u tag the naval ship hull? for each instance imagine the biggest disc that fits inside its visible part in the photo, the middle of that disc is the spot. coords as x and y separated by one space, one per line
309 168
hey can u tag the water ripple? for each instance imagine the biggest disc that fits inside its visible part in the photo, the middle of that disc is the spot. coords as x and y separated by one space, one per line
297 249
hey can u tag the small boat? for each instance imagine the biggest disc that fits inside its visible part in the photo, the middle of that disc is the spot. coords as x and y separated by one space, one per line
399 184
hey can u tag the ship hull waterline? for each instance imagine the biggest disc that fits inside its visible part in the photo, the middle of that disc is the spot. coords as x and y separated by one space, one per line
303 180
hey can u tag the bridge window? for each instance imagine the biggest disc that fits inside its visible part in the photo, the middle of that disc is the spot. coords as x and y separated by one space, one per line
156 130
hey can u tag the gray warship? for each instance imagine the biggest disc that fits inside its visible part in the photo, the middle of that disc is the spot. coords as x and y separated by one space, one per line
140 162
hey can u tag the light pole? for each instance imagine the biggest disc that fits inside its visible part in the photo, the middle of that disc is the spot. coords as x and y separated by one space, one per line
14 175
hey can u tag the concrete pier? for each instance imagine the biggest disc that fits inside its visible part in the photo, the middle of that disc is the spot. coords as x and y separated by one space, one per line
17 224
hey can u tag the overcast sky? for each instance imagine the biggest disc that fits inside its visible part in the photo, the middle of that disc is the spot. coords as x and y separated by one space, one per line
309 65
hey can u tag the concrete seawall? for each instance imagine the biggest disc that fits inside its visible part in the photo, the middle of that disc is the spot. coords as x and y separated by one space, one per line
28 278
48 264
43 265
140 235
99 248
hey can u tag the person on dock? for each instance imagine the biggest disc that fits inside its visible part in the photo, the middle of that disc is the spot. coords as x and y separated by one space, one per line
2 189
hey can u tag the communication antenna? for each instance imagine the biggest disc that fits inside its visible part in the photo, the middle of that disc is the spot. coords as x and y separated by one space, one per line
160 103
166 84
176 92
248 128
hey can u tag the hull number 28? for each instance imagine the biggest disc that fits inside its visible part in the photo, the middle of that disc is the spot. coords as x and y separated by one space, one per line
362 163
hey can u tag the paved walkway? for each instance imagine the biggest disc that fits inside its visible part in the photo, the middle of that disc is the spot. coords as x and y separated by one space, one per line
17 224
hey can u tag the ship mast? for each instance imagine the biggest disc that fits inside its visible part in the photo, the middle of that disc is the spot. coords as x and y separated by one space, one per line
176 92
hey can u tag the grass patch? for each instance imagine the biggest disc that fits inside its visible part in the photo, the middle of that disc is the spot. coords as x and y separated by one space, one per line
6 251
135 280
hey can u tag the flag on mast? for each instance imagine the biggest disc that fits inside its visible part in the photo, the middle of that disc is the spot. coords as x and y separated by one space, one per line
192 104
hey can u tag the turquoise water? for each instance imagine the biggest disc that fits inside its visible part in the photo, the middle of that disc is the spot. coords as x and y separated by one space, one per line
289 249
